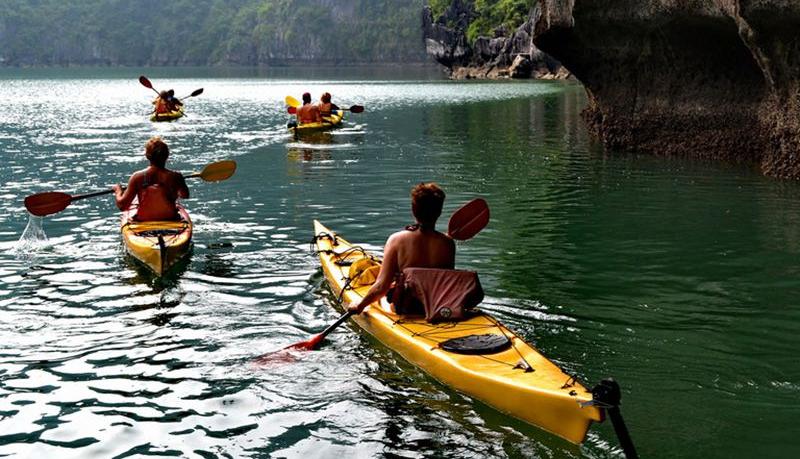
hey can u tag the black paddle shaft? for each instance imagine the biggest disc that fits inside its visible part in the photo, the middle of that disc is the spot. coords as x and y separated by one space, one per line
333 326
608 395
91 195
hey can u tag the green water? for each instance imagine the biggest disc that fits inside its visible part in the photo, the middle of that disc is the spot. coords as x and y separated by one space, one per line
679 278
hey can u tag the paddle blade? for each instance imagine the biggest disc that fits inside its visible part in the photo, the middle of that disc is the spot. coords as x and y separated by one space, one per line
219 171
196 92
48 203
289 353
357 109
145 82
469 220
292 102
292 110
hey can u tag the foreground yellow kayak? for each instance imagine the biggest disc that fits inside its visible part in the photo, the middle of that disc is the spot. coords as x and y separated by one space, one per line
169 116
515 378
329 122
157 244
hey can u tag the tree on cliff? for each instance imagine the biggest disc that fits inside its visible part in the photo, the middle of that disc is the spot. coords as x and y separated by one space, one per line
488 15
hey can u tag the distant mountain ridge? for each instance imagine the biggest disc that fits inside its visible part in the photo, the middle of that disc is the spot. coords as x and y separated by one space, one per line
210 32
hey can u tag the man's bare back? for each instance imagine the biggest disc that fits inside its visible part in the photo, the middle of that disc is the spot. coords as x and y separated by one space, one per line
421 249
308 113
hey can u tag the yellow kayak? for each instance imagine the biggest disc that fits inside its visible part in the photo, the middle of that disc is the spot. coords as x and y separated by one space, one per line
329 122
157 244
169 116
515 379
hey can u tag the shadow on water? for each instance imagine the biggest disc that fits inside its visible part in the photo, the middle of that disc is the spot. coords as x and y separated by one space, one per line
157 283
215 263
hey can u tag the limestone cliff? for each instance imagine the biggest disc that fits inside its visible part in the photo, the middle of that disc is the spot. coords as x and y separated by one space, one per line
507 54
707 78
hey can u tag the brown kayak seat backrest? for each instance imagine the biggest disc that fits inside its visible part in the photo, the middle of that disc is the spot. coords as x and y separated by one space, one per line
442 295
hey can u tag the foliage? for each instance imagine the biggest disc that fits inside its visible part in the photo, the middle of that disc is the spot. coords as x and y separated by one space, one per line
492 14
488 14
438 7
209 32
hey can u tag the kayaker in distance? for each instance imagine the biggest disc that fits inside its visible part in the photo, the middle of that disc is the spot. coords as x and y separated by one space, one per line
166 102
174 103
157 188
308 113
418 246
326 108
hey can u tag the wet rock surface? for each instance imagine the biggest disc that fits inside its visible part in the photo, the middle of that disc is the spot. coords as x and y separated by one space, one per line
712 79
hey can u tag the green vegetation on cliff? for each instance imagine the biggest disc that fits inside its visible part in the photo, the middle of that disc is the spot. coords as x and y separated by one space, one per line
209 32
489 14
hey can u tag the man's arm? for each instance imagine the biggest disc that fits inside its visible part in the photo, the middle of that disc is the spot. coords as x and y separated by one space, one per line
385 277
180 186
125 198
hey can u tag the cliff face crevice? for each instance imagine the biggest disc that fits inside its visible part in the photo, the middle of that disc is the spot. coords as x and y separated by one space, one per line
704 78
507 54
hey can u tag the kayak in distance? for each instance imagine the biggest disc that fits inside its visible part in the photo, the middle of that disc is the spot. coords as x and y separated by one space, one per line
505 372
159 245
329 122
168 116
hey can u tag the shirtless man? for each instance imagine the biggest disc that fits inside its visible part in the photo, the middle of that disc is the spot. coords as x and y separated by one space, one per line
308 113
157 188
418 246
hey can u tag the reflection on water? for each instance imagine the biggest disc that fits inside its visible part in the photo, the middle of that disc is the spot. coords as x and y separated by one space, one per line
145 275
676 277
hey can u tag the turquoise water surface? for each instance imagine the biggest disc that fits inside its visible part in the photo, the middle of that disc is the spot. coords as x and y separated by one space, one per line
677 277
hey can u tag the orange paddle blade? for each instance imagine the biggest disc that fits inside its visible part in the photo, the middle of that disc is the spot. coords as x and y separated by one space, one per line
469 220
286 354
47 203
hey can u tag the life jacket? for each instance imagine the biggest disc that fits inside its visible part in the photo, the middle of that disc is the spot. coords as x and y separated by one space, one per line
439 294
325 109
156 202
162 106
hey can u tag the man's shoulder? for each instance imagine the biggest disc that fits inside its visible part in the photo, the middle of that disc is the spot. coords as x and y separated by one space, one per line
409 234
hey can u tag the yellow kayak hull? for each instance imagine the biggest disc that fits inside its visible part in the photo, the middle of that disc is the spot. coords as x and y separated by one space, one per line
329 122
545 397
159 245
169 116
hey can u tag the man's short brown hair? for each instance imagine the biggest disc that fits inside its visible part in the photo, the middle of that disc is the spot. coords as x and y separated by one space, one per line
426 203
156 151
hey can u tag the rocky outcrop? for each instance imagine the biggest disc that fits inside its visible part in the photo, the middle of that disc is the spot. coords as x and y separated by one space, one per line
707 78
508 54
